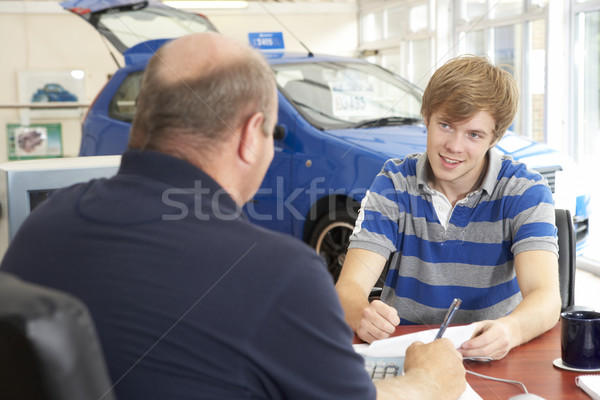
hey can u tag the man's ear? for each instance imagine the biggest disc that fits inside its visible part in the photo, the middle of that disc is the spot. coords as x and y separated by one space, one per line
248 149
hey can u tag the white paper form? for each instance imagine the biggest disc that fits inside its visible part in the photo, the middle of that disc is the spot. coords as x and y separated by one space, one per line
396 347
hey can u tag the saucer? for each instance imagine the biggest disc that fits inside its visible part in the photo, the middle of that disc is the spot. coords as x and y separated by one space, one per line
558 363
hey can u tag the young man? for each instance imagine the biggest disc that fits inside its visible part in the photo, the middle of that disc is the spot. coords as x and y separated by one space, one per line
457 221
190 300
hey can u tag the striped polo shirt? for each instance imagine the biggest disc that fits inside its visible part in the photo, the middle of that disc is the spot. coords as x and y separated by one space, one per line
470 254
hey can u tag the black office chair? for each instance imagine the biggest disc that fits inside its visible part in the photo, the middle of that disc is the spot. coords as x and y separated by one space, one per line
567 248
48 346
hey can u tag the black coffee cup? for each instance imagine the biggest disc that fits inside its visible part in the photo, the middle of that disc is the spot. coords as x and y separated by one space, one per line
580 339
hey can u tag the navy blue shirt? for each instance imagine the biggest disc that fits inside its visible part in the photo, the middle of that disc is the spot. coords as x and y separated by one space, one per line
190 300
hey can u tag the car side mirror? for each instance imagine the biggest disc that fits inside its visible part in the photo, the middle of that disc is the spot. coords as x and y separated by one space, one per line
279 132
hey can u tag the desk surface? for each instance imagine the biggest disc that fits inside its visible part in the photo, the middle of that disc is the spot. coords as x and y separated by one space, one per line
530 363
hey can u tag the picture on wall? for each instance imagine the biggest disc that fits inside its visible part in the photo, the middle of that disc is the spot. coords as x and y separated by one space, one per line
40 87
34 141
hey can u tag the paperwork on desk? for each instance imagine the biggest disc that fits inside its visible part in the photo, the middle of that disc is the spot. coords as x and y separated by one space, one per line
589 384
396 347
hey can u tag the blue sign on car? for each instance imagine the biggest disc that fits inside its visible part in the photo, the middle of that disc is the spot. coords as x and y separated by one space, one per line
266 40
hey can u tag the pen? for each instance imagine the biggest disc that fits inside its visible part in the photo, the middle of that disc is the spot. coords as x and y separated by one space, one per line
449 314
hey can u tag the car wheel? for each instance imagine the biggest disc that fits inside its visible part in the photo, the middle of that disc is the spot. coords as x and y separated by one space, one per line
330 239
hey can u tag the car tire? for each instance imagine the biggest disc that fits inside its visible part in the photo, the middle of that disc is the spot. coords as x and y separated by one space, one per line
330 239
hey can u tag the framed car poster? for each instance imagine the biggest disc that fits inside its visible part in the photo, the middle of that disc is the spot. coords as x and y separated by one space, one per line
54 88
34 141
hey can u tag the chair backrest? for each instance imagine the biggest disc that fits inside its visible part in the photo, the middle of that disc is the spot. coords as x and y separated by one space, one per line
48 345
566 256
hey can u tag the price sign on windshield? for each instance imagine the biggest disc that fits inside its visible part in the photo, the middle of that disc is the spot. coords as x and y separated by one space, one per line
349 104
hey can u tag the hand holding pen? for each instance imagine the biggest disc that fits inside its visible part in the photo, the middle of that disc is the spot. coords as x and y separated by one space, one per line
439 358
448 318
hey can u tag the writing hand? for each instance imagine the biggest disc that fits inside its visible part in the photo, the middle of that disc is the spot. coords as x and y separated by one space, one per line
441 363
378 321
490 339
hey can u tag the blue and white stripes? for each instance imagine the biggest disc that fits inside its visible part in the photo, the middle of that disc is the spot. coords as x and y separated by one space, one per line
473 257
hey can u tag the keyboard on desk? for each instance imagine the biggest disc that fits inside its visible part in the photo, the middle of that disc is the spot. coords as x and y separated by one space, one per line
384 367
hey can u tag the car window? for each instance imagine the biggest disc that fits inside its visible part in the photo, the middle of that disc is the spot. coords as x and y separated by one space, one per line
342 94
330 95
122 105
126 28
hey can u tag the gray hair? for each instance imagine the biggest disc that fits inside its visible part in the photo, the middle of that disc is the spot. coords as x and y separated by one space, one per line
205 108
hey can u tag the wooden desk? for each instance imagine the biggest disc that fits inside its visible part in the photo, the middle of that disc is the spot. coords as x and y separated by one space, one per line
530 363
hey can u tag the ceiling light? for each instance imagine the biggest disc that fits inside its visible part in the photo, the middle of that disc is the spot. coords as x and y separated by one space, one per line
77 74
206 4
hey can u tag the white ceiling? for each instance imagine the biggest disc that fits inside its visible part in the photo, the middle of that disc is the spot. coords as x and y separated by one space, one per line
302 1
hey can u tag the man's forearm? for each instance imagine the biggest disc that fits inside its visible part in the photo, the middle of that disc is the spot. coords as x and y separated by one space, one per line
537 313
405 387
359 274
353 302
537 274
418 384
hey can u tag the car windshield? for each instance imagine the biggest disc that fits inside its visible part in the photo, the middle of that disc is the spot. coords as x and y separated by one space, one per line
126 28
335 95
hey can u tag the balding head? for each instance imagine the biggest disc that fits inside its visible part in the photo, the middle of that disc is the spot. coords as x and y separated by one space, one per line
197 90
193 56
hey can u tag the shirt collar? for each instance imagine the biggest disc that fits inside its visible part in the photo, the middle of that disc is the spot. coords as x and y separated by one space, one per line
422 166
489 182
173 172
494 167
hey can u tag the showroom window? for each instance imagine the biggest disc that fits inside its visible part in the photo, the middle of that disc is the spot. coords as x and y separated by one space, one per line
497 9
394 22
372 27
559 82
400 36
587 79
535 107
413 38
512 33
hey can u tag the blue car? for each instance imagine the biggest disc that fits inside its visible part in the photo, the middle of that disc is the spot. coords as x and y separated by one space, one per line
339 119
52 92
